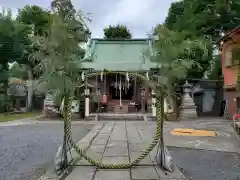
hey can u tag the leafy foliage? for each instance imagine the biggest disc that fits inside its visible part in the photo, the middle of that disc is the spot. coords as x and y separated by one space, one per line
206 17
19 71
215 70
64 8
175 54
12 37
35 16
59 57
37 22
117 32
10 46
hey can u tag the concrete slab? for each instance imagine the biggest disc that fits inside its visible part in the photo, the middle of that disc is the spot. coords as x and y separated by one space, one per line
119 143
97 148
83 173
137 141
145 161
112 175
115 160
99 141
168 175
102 136
136 147
93 155
119 134
144 173
116 151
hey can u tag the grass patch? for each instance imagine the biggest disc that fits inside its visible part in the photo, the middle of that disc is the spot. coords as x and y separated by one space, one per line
12 117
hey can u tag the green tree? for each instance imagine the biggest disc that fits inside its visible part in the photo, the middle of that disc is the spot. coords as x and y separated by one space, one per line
36 17
37 21
207 17
215 70
64 8
59 57
175 12
117 32
18 71
204 18
198 55
174 54
11 49
11 45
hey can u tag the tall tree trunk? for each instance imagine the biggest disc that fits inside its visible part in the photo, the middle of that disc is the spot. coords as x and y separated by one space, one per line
30 89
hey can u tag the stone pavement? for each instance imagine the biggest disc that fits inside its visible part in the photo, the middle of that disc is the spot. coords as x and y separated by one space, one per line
121 142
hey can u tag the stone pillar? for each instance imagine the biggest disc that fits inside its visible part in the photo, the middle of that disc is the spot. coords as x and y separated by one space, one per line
87 93
188 107
153 105
165 106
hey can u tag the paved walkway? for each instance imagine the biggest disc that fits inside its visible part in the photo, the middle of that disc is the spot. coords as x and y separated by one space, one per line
121 142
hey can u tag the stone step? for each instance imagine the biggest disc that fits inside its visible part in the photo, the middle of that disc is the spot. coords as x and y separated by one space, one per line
120 116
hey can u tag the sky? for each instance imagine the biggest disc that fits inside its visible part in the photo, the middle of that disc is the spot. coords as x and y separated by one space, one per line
140 16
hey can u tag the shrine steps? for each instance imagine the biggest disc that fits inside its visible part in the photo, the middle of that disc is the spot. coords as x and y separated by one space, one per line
119 117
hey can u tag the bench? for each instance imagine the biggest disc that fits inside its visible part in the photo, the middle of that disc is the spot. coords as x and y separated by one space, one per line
236 124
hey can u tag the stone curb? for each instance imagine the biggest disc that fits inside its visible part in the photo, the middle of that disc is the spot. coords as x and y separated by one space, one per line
84 143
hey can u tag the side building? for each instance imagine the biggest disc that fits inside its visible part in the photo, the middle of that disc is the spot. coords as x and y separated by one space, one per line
230 57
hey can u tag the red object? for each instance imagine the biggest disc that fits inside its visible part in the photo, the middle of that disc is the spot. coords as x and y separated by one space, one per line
104 99
236 116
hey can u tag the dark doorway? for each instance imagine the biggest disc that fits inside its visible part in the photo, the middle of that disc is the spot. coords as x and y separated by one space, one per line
237 104
126 93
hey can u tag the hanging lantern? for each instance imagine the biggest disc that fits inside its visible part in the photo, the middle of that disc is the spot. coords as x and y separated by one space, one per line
83 76
127 77
147 76
101 76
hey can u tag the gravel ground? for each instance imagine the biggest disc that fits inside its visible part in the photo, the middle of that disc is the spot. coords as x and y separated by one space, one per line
27 151
207 165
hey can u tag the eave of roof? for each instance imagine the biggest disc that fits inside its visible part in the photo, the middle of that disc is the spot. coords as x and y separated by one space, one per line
134 39
229 34
88 62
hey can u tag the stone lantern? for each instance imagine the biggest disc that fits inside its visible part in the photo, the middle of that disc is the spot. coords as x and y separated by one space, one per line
86 94
188 107
143 95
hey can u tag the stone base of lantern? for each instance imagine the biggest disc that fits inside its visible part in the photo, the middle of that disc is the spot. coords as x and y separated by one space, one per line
171 117
188 114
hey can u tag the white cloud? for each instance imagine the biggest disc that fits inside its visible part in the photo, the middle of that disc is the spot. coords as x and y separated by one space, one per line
138 15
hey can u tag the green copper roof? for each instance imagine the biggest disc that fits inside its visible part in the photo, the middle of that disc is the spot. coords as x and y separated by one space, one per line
118 55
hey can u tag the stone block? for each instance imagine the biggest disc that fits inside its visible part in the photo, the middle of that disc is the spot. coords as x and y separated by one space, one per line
93 155
116 151
119 143
83 173
144 173
99 141
146 161
107 129
168 175
115 160
120 136
137 147
135 141
97 148
103 136
112 174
